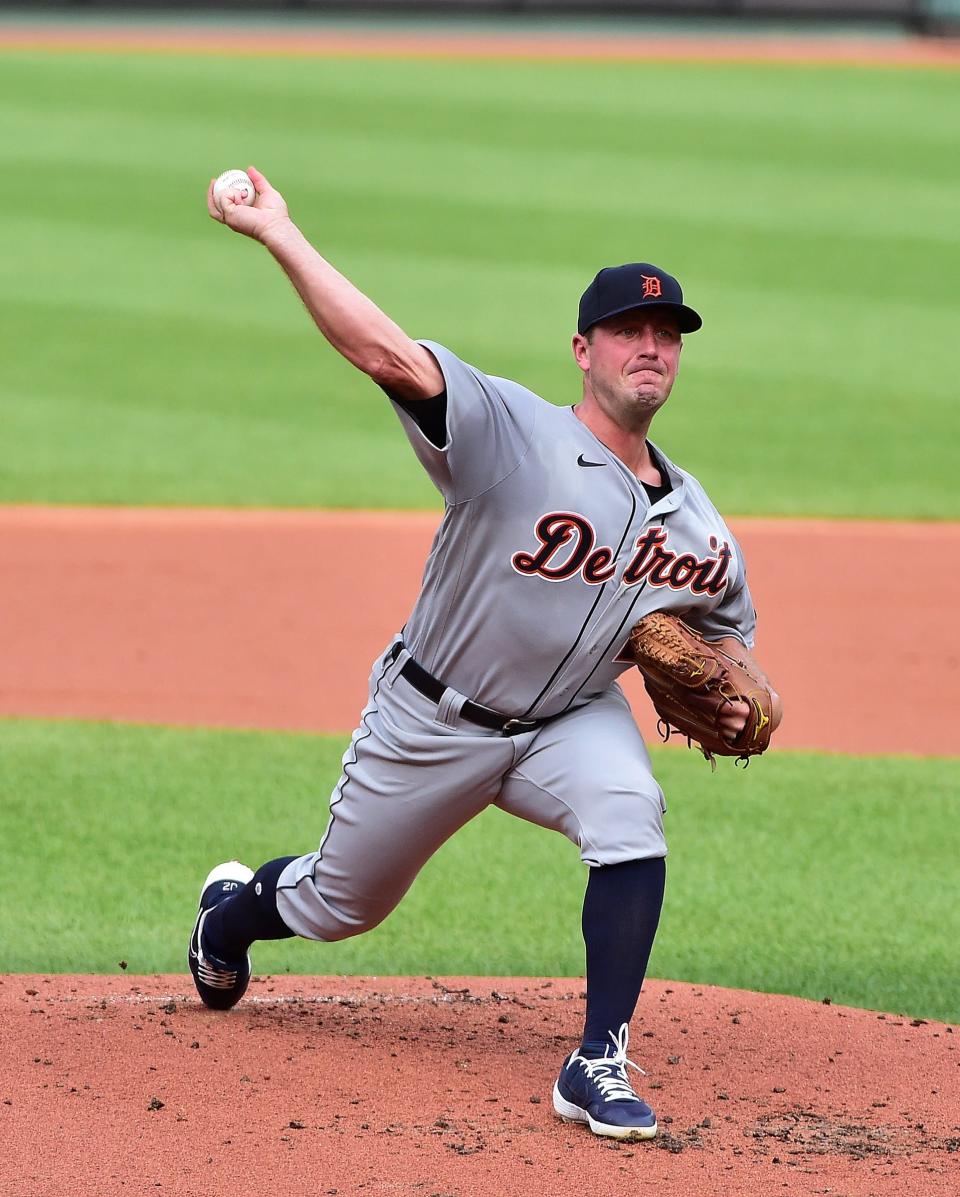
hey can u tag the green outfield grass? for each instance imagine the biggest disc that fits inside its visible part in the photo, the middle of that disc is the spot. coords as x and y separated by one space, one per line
814 875
152 357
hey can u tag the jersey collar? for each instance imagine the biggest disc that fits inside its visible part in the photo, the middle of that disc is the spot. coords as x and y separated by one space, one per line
669 502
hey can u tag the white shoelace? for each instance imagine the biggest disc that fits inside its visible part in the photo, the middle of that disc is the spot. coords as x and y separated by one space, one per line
609 1073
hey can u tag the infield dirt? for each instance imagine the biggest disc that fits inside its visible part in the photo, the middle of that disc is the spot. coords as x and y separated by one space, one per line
272 619
377 41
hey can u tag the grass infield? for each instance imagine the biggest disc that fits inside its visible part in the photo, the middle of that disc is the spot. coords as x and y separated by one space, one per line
155 358
816 875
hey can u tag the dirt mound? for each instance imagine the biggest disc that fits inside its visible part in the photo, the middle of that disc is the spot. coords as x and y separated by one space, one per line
441 1086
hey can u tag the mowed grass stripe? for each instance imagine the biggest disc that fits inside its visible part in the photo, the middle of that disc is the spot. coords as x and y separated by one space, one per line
801 101
474 201
587 179
821 876
268 416
162 275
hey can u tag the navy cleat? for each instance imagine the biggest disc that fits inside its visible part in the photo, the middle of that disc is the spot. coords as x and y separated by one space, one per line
221 983
597 1090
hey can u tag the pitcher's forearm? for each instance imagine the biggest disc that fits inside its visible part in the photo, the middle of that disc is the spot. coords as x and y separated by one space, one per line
350 321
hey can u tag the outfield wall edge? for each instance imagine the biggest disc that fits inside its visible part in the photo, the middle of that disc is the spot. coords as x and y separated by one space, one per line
920 16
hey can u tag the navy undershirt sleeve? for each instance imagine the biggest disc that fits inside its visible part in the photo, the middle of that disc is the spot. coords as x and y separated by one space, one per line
430 416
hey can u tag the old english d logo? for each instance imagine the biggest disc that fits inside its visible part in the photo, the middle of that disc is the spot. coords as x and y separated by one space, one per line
651 286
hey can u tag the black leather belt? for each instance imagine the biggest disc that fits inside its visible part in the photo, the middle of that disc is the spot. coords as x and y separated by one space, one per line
431 687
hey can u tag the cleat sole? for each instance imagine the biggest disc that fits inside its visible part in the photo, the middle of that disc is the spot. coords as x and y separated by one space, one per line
568 1112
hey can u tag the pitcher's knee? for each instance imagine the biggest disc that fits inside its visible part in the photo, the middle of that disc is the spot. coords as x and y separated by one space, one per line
313 915
625 826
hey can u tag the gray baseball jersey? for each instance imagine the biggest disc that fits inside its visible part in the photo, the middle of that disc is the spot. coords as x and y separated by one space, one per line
548 552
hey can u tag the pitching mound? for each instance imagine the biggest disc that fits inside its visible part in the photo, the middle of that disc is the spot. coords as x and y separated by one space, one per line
430 1086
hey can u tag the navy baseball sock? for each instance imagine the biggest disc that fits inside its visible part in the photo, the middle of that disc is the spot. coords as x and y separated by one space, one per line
233 924
621 910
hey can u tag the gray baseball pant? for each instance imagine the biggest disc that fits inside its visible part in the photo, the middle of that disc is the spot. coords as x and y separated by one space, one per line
416 771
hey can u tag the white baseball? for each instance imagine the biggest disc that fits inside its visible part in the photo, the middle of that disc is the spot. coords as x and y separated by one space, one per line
237 182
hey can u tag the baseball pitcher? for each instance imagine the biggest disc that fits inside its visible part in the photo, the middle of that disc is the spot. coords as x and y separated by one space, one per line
563 529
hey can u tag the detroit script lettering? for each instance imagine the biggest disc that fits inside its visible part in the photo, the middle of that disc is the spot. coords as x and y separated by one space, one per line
567 547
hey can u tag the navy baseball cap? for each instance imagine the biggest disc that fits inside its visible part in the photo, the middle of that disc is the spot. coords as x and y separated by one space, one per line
617 289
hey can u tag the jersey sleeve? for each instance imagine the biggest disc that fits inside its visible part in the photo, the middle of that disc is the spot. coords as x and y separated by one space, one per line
489 428
735 614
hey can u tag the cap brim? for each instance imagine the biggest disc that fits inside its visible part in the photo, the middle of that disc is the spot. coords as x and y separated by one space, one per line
690 320
687 319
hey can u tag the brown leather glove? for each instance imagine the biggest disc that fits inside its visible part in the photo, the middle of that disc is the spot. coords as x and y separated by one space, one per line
691 681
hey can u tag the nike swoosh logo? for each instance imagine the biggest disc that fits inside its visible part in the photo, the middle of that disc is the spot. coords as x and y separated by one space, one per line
582 462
